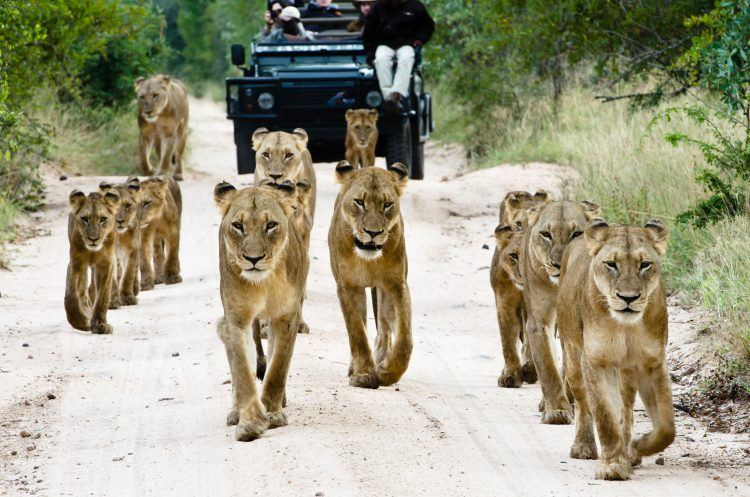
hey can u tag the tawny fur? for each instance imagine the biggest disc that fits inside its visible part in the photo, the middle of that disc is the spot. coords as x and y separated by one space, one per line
92 236
551 227
163 124
505 278
282 157
368 209
263 265
615 348
160 232
125 281
361 137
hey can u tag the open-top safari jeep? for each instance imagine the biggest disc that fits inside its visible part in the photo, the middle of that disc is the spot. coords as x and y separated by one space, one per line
310 85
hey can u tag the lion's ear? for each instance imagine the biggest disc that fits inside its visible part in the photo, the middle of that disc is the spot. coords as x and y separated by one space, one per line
258 137
373 113
400 173
659 235
139 82
591 210
164 81
344 171
595 234
134 184
112 198
512 200
76 199
533 214
105 185
541 196
503 234
223 195
301 136
348 116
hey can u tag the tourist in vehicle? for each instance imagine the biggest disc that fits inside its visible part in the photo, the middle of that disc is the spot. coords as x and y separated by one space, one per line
290 28
318 9
271 16
364 7
393 29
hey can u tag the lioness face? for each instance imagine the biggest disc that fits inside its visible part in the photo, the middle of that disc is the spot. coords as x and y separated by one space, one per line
362 124
152 96
509 243
254 229
154 196
626 265
552 226
130 200
279 155
94 216
370 204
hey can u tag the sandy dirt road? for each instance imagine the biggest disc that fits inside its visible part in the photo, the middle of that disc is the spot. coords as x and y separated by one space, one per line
131 417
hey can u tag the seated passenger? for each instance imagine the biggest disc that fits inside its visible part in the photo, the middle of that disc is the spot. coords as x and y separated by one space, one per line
290 28
364 7
271 16
392 31
320 8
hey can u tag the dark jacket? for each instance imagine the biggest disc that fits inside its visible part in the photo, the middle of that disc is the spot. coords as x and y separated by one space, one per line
396 25
315 10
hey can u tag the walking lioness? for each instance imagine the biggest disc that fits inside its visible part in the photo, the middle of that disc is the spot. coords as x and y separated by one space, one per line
612 319
163 124
368 249
263 265
361 137
92 234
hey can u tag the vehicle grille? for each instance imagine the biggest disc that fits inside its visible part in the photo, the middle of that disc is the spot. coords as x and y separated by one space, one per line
310 97
328 118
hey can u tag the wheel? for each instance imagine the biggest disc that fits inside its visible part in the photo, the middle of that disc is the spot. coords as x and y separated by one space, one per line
398 145
245 153
416 171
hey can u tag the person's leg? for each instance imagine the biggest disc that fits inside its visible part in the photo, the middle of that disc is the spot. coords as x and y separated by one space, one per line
384 56
405 60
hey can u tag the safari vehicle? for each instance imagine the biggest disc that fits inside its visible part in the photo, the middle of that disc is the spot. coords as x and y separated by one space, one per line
310 85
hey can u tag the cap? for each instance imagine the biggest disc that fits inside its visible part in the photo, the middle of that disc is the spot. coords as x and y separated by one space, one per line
289 13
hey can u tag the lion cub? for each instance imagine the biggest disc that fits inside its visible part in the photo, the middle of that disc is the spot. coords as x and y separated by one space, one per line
163 123
92 236
125 281
160 232
507 285
612 318
361 137
263 265
367 248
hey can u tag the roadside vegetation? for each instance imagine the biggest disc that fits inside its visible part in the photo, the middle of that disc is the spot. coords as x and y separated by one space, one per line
649 104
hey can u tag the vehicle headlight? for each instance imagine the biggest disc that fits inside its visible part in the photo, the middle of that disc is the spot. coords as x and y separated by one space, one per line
374 98
266 101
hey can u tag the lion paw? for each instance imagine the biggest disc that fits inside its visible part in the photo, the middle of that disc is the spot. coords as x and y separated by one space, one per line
129 300
557 417
177 176
159 279
583 451
101 329
369 380
247 431
172 279
277 419
303 328
233 417
115 303
510 379
528 373
541 405
147 284
618 470
634 457
260 367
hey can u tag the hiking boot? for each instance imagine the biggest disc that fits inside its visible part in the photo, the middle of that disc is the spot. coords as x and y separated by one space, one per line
394 103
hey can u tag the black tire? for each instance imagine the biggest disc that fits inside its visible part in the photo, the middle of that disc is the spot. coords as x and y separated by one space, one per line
416 171
398 145
245 153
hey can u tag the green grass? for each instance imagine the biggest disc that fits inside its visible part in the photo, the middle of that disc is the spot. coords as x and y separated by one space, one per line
627 166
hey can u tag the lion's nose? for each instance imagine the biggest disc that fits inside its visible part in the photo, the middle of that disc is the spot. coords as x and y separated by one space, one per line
253 260
373 234
555 265
628 299
93 238
275 176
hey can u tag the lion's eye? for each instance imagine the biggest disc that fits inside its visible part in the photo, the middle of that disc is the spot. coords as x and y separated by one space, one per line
238 226
288 156
387 205
645 266
359 202
85 219
513 256
266 155
103 221
146 203
519 224
271 225
612 265
576 234
546 235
